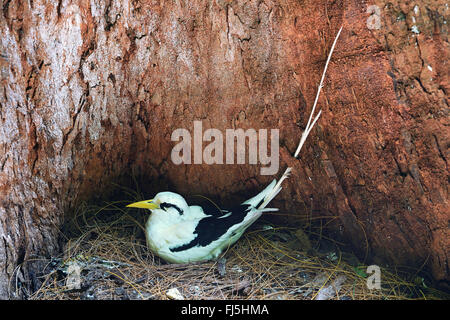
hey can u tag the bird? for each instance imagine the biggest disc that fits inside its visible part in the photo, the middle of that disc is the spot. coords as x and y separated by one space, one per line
179 233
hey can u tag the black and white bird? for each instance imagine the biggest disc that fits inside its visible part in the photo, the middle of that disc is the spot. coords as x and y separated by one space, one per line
180 233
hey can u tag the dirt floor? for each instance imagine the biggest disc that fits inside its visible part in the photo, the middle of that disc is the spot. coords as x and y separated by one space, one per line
106 257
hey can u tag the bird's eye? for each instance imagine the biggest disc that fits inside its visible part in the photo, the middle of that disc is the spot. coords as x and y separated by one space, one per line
166 205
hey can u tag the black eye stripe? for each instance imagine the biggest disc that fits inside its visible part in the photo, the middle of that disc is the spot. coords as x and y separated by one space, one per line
166 205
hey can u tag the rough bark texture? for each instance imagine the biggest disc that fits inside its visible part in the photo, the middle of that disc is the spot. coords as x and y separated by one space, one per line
91 90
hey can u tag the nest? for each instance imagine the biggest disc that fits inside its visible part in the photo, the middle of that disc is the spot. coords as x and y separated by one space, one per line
106 257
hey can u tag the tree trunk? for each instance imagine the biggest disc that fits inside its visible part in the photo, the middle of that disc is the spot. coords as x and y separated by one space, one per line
92 91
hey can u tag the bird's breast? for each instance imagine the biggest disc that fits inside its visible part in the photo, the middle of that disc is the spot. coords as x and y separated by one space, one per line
163 234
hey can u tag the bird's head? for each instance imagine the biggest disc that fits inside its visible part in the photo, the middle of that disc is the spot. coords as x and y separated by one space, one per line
167 201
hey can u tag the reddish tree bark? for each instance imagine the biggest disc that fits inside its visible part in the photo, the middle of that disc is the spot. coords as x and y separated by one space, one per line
92 90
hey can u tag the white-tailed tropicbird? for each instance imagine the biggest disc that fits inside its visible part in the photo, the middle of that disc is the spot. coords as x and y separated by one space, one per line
180 233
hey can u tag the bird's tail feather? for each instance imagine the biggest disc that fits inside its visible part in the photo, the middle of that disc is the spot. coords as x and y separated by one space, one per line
275 190
262 199
259 198
268 210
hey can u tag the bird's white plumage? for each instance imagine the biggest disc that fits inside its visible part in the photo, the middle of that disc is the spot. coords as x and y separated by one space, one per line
167 229
180 233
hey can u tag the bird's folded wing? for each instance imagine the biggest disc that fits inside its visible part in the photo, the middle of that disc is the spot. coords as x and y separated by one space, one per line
214 227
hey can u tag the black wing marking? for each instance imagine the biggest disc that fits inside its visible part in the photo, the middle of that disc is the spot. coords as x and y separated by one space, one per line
208 206
212 228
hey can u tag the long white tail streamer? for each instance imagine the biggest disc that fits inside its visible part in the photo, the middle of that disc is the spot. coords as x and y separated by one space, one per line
310 125
275 189
308 128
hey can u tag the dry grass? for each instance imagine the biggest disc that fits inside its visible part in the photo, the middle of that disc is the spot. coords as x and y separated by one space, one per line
108 246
